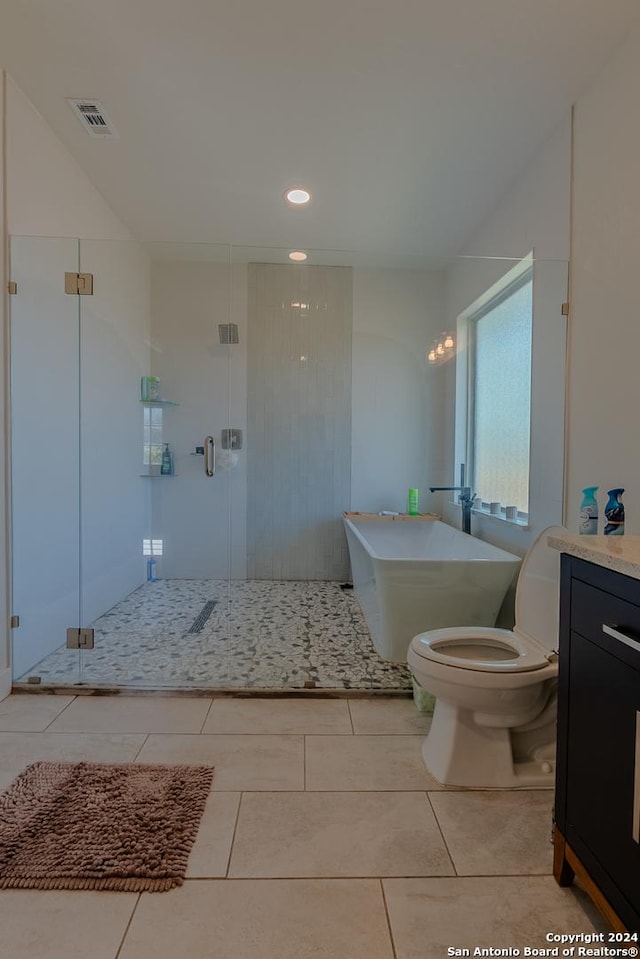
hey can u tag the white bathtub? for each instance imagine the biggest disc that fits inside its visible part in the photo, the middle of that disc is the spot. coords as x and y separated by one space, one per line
410 576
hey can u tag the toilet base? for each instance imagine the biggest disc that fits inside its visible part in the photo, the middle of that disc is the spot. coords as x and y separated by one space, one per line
459 752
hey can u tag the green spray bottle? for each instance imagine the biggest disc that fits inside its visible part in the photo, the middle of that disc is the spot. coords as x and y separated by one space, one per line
412 501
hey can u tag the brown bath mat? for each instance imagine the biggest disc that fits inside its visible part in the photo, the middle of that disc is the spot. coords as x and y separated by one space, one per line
100 826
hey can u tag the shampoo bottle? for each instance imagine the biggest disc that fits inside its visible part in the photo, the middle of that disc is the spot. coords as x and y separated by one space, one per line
614 511
589 511
166 467
412 502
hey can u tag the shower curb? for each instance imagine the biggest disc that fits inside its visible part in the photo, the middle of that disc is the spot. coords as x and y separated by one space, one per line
29 689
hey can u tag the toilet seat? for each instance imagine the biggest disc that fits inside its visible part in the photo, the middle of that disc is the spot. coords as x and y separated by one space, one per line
479 649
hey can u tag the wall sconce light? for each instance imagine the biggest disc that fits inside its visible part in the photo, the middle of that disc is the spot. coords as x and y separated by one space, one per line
442 348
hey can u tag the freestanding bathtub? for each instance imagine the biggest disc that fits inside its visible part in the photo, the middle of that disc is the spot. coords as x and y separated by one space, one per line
411 576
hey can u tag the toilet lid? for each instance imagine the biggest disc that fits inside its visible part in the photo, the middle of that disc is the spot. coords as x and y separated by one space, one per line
538 591
482 648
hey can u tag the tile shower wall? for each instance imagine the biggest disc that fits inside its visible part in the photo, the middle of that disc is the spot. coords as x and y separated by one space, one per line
299 420
397 397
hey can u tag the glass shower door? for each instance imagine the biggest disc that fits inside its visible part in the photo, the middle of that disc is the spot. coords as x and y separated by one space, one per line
154 496
45 462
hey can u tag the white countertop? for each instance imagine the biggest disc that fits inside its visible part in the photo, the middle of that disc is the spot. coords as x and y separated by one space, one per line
621 553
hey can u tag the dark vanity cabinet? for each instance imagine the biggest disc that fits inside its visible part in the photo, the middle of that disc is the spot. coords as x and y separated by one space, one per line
597 808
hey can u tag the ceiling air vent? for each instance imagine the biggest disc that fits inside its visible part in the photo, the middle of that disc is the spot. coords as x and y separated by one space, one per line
93 118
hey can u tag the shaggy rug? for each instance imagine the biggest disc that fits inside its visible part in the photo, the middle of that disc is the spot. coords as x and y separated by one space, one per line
100 826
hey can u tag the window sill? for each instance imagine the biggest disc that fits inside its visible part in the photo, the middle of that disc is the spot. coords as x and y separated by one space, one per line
477 511
521 522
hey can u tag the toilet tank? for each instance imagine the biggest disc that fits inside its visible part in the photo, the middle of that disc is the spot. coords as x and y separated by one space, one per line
538 591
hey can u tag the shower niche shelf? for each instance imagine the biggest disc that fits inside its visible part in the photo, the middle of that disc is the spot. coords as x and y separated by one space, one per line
157 475
159 403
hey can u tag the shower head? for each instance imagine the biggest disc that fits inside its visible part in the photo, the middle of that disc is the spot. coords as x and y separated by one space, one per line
228 333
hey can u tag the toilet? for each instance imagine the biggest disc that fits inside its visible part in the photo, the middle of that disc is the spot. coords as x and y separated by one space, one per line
494 723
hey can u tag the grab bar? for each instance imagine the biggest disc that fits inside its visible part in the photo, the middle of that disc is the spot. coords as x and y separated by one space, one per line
209 455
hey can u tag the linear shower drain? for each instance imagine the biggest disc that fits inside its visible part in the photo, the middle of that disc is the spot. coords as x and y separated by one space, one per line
201 619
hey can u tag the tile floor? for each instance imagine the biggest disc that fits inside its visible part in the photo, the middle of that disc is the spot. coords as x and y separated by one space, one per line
324 836
259 634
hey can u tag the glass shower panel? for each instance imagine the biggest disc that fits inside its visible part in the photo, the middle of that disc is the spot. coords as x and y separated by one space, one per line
44 459
154 519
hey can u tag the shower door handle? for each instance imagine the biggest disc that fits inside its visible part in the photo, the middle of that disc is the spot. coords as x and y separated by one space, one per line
209 455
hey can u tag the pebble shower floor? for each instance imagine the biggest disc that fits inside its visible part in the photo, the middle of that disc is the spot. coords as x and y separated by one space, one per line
238 634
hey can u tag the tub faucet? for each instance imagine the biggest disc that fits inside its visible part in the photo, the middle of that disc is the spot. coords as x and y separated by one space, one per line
465 499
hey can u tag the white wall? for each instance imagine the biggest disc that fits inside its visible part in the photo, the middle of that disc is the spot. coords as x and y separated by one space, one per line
48 196
534 211
533 215
397 398
605 325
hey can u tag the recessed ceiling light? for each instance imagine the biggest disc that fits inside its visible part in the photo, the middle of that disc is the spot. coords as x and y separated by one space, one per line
298 256
296 196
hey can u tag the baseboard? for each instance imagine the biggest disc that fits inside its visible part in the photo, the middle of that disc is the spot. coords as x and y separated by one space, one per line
5 683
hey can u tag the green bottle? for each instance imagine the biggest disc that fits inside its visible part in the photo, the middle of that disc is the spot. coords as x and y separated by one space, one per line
412 502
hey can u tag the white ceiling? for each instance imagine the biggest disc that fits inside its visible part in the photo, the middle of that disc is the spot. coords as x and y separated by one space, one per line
407 119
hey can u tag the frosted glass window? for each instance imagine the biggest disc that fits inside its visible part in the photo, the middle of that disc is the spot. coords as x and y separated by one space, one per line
501 396
152 547
152 442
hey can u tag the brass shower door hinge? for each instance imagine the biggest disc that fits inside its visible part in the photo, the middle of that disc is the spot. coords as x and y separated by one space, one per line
78 284
565 309
79 638
12 287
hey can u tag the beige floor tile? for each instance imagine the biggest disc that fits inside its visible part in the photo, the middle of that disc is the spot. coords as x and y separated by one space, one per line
209 856
17 750
30 714
375 717
366 762
338 919
430 915
497 833
337 834
242 762
63 925
133 714
283 716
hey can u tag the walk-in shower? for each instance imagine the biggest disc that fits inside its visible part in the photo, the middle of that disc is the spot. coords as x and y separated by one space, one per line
312 383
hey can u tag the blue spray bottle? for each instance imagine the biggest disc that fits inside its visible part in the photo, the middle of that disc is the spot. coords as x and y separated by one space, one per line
589 512
614 511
